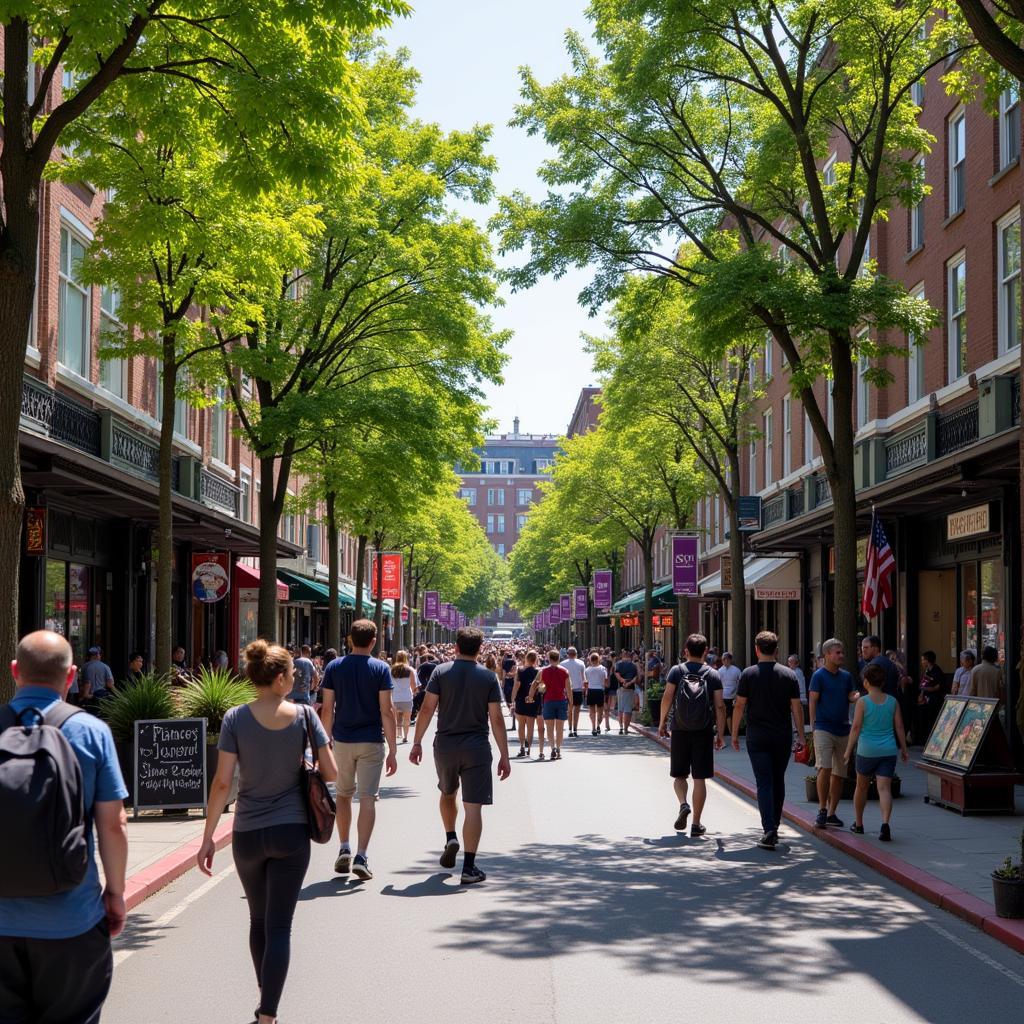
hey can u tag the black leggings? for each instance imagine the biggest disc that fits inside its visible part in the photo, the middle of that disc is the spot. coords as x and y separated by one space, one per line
271 864
769 757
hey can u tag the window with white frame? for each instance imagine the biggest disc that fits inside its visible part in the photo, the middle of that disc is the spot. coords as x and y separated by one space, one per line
768 361
752 477
74 300
915 359
180 423
808 440
957 131
495 496
490 524
787 435
956 316
113 372
1009 126
917 89
863 392
500 523
245 497
524 496
828 172
219 427
501 550
468 495
866 256
769 448
520 522
716 514
1008 235
830 412
916 234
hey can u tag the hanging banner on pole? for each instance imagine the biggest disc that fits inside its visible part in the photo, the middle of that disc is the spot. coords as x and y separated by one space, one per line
431 605
580 604
555 614
391 576
210 579
565 607
684 564
603 590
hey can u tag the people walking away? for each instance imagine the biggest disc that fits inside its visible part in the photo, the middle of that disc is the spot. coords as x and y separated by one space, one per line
793 661
987 677
555 682
425 669
404 681
691 707
832 692
55 919
305 677
626 674
877 728
871 653
611 698
730 676
508 678
270 840
595 691
468 700
769 694
577 678
527 710
96 678
358 711
962 676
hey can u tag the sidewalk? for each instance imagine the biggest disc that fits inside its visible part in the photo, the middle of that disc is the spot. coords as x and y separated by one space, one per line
943 857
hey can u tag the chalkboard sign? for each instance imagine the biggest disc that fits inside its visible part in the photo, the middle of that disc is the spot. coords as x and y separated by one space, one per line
170 764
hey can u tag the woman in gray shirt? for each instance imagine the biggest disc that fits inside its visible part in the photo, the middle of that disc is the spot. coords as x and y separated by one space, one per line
270 839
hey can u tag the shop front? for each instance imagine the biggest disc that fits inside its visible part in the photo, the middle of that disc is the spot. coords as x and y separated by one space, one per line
247 591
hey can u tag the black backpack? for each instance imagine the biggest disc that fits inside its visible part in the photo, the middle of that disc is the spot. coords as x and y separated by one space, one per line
45 849
693 701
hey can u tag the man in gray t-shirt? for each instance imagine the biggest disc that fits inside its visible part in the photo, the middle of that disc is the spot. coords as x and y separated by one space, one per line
95 677
304 678
468 699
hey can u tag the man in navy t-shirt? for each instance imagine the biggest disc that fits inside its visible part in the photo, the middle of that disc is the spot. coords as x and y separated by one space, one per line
357 711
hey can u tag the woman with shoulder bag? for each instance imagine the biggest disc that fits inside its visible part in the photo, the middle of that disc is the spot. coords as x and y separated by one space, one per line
267 739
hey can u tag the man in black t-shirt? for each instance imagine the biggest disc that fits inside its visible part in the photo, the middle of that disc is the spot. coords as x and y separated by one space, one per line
691 706
468 701
428 662
770 694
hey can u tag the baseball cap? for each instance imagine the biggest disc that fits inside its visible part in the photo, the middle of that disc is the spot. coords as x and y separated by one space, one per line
95 650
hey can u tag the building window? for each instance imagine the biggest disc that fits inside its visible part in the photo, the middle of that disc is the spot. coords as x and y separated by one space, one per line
490 524
808 441
541 465
1009 282
915 359
500 523
828 172
957 162
180 425
769 449
863 393
524 496
1009 127
520 522
245 498
495 496
787 435
219 427
113 372
956 316
916 235
468 495
768 367
501 550
830 412
74 316
753 467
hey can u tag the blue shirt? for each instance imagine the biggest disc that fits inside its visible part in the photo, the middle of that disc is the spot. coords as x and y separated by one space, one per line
877 737
357 680
71 913
832 714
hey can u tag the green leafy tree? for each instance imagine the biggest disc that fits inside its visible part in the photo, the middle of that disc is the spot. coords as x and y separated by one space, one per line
250 70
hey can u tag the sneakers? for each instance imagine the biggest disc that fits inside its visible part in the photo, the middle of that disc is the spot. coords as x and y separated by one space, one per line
470 876
769 840
697 831
522 752
556 753
885 835
684 813
451 851
822 819
360 868
834 821
857 830
343 861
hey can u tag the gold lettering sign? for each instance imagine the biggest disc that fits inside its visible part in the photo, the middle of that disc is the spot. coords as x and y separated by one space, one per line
726 572
968 522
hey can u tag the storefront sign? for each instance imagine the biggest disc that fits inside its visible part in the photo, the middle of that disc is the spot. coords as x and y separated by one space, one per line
968 522
776 593
390 576
726 571
862 556
405 614
431 605
170 764
664 620
748 508
632 619
603 590
35 531
684 564
580 603
210 581
554 615
565 607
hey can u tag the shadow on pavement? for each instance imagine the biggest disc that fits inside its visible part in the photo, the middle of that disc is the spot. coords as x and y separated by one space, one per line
432 886
337 886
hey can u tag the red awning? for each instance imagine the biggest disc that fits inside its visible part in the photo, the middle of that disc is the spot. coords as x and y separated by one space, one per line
247 576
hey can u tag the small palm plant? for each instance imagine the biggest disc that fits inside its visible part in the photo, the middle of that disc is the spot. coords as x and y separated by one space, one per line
1010 871
211 694
136 700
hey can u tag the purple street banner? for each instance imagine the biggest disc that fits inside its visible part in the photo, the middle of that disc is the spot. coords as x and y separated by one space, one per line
545 619
579 599
431 605
565 607
603 590
555 614
684 564
446 615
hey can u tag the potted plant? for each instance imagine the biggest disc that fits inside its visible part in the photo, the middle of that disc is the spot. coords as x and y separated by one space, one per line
147 697
1008 886
811 788
651 714
211 694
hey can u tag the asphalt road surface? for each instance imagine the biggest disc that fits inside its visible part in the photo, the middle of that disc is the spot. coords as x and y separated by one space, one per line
594 911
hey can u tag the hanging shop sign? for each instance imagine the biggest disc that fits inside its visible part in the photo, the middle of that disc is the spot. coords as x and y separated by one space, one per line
555 614
749 508
663 620
726 571
776 593
390 576
210 582
35 531
603 590
969 522
684 564
431 605
565 607
579 600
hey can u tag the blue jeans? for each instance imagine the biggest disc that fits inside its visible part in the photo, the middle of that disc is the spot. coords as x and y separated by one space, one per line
769 757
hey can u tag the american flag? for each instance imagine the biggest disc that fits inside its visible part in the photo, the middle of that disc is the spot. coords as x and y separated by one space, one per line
880 567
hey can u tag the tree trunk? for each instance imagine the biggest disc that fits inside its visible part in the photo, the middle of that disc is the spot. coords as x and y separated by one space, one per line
270 521
165 520
333 602
360 573
647 635
740 642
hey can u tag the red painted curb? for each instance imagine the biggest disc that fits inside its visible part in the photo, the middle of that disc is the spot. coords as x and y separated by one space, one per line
149 880
929 887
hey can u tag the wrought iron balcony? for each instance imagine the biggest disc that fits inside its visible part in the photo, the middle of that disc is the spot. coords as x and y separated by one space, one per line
796 502
59 417
218 493
906 450
957 429
773 511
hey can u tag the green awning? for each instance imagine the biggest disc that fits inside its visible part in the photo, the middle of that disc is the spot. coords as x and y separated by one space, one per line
303 589
630 603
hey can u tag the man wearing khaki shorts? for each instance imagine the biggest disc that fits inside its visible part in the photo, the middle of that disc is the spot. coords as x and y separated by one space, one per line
831 693
358 713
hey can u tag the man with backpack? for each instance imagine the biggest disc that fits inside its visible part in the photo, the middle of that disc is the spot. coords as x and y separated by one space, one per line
55 920
691 707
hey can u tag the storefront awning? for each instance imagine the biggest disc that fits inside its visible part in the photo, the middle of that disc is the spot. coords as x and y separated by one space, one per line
302 589
246 577
662 598
770 579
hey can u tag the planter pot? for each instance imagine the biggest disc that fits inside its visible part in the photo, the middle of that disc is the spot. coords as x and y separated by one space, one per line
1009 897
125 750
811 789
212 757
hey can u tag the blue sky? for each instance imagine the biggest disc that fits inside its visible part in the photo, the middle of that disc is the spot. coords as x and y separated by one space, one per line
468 53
